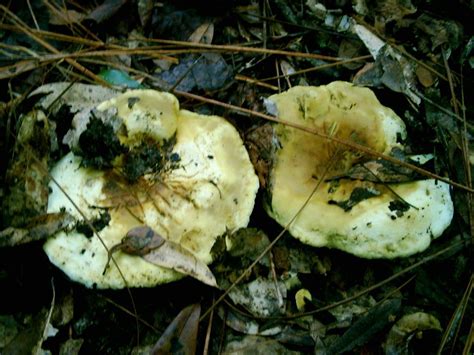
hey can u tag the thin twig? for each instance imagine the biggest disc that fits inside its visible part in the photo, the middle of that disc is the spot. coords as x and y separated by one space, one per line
207 340
242 49
32 14
127 311
255 82
319 67
350 144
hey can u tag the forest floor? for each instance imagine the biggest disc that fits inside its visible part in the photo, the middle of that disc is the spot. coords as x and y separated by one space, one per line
225 58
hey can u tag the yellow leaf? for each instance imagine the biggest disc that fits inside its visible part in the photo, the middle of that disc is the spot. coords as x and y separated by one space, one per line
301 297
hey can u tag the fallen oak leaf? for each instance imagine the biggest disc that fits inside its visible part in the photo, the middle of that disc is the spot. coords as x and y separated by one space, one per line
152 247
180 336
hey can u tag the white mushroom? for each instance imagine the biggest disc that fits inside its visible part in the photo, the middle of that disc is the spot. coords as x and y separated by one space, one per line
205 187
390 220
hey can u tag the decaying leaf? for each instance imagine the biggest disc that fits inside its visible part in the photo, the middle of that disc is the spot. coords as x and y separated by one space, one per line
256 345
262 297
152 247
433 33
19 67
180 336
71 347
247 243
203 34
425 77
402 332
259 141
38 228
352 310
145 11
350 49
65 17
246 325
78 100
106 10
391 68
27 179
30 339
8 329
75 96
286 68
392 10
366 327
207 72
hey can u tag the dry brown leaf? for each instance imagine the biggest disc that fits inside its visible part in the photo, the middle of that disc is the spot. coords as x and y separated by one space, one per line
39 228
66 17
26 178
260 148
286 68
203 34
181 335
145 11
106 10
425 77
152 247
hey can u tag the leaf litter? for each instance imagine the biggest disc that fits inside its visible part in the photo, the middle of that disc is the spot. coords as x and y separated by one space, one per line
413 66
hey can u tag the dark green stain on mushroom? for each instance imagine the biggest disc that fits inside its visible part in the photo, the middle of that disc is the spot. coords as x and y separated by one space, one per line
358 195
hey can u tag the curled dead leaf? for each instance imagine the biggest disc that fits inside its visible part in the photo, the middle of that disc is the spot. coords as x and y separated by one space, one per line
38 228
181 335
143 241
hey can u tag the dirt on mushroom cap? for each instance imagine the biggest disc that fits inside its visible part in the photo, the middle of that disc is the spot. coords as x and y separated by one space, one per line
372 227
207 188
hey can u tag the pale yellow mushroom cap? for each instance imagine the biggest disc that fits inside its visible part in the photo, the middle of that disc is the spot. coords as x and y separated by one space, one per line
210 190
373 228
145 113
